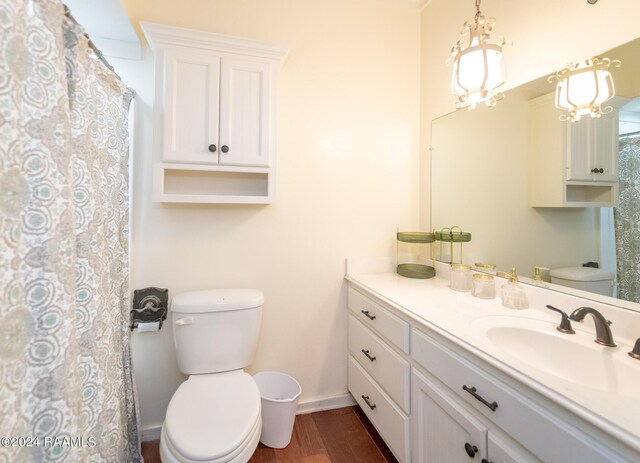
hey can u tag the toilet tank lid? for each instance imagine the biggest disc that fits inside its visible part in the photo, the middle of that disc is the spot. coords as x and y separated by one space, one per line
216 300
581 274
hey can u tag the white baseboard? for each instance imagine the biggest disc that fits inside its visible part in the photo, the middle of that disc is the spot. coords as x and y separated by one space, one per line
309 406
325 403
151 432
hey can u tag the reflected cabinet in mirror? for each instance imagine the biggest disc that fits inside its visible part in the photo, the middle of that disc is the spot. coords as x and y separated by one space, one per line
536 191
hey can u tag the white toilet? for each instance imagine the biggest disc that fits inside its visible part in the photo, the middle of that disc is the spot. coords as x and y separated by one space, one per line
214 416
594 280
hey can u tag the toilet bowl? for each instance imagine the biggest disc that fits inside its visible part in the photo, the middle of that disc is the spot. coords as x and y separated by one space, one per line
215 415
212 418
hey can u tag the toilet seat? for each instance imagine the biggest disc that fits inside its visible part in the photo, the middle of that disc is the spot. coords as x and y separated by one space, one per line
212 418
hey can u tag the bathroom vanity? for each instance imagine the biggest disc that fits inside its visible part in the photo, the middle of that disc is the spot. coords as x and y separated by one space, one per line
446 377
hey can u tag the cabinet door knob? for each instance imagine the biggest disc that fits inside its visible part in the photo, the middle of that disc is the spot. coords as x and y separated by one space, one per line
470 449
224 148
212 148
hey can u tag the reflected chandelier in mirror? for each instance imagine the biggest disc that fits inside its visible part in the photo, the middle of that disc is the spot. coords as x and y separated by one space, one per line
482 177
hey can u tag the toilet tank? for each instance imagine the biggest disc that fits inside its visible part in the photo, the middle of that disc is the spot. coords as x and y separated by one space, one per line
594 280
216 330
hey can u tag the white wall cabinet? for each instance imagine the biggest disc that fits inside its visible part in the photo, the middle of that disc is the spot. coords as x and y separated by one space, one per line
572 164
460 409
214 116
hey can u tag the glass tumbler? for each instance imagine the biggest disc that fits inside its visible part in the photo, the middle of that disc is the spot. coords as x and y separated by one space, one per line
483 286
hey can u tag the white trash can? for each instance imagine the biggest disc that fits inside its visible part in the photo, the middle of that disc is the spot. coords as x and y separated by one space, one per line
279 393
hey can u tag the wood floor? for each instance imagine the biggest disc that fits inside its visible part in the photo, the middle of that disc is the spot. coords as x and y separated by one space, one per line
344 435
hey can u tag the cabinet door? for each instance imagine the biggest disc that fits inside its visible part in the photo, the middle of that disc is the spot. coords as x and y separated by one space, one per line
501 450
442 429
605 147
579 149
593 149
191 106
244 112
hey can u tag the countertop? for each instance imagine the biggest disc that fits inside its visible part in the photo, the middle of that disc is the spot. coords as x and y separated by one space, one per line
464 319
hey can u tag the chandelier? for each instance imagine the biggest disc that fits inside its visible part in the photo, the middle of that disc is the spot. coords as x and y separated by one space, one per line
584 87
478 67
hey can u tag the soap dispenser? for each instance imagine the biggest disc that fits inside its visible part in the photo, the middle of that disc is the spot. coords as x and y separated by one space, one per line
537 277
513 295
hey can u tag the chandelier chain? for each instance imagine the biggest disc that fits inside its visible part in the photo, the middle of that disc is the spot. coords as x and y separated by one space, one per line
477 11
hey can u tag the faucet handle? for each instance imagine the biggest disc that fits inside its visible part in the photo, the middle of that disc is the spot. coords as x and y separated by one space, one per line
635 353
565 324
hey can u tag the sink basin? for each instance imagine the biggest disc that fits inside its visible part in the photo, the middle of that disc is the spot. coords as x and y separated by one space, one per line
577 359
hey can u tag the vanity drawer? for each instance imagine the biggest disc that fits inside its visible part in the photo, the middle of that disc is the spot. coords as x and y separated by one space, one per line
388 369
372 315
548 437
389 420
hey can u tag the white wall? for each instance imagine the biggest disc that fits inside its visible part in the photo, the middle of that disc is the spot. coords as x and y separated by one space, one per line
547 34
348 133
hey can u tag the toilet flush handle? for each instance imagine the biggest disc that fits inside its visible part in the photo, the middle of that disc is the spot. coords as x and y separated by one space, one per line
184 321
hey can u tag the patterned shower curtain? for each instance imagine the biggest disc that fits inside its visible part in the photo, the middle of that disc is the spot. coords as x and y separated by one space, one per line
627 220
66 389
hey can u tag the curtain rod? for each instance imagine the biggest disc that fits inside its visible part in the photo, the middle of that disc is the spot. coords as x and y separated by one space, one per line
630 134
96 50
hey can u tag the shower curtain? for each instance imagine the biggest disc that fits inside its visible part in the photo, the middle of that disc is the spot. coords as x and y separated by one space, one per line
627 220
66 389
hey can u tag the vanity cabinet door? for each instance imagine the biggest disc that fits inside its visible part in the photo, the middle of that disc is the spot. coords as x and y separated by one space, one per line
502 450
191 102
442 429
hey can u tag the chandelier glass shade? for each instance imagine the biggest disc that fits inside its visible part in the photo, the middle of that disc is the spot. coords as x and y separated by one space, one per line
478 66
584 87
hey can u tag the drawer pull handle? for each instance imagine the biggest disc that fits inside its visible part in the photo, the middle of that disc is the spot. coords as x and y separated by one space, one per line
484 460
470 449
366 354
366 400
368 315
472 391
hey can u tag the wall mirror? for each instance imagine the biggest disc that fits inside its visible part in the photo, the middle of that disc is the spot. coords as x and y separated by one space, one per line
480 182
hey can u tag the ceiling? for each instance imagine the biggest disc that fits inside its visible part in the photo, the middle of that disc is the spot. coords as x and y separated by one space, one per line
108 26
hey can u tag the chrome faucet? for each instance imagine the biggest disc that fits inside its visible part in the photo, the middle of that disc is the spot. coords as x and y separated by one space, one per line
603 332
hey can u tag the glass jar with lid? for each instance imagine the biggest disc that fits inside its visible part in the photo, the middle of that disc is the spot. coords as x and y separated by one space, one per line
483 286
460 277
414 254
